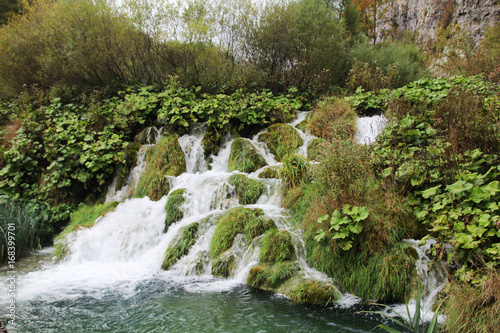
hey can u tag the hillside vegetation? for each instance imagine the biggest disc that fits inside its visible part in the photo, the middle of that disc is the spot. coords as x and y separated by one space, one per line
79 80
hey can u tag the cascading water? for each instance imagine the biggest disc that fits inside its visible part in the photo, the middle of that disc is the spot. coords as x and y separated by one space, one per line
118 260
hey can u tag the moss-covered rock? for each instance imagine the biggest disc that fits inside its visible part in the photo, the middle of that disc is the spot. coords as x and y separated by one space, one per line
282 140
257 226
147 136
229 225
172 207
248 191
211 143
269 172
313 151
276 246
271 276
223 265
130 161
164 159
84 217
309 291
180 246
244 157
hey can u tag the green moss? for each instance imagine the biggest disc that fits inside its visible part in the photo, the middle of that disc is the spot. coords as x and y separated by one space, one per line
244 157
269 172
180 246
172 207
223 265
130 161
84 217
276 246
308 291
313 151
257 226
164 159
229 225
211 143
248 191
282 140
271 276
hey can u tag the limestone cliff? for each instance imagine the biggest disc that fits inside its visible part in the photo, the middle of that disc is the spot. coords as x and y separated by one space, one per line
426 17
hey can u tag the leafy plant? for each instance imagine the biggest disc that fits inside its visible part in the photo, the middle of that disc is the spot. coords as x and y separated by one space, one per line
343 228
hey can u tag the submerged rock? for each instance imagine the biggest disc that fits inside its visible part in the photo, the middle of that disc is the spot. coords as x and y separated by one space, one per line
244 157
282 140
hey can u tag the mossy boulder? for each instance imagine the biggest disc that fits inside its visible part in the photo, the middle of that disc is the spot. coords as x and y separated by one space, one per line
228 226
309 291
172 207
180 246
147 136
257 226
130 161
84 217
282 140
244 157
271 276
269 172
223 265
248 191
276 246
164 159
313 149
211 143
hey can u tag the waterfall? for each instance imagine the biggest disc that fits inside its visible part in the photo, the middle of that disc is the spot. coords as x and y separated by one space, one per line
369 128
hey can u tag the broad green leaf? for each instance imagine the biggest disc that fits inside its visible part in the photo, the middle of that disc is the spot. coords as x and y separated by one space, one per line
430 192
459 187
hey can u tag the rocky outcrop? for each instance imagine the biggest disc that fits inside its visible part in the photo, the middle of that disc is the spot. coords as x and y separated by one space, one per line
426 17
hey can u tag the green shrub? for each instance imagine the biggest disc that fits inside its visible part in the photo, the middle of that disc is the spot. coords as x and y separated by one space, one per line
282 140
172 207
294 171
244 157
248 191
313 149
180 245
164 159
277 246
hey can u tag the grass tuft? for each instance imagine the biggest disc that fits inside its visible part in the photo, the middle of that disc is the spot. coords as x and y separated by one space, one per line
181 245
244 157
282 140
248 191
172 207
276 246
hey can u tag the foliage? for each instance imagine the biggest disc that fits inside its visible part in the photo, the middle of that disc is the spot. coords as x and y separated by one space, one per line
276 246
179 247
228 226
343 227
386 65
164 159
269 172
332 119
248 191
313 151
473 308
294 171
21 229
172 207
282 140
84 217
244 157
256 227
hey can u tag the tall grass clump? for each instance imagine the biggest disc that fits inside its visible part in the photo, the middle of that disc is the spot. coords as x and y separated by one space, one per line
282 140
20 227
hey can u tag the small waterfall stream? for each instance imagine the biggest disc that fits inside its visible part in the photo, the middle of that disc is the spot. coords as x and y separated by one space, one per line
125 248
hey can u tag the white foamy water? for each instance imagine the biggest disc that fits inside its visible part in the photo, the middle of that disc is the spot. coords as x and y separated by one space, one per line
127 246
369 128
